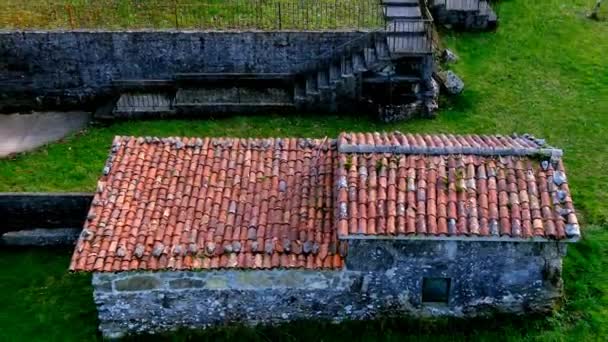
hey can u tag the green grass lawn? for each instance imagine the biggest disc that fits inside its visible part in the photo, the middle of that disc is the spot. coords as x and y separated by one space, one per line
187 14
545 72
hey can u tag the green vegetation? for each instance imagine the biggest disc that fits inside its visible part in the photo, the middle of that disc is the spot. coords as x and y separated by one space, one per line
188 14
543 72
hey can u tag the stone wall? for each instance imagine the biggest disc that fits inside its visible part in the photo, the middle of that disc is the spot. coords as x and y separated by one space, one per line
30 210
74 68
381 278
486 277
150 302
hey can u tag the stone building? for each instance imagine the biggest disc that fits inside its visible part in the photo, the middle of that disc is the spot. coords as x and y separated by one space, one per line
193 232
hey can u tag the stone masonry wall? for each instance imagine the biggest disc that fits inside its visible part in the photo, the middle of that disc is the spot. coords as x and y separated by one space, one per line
73 68
381 278
486 277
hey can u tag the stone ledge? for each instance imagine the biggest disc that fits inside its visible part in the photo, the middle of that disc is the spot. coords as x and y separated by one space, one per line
41 237
142 281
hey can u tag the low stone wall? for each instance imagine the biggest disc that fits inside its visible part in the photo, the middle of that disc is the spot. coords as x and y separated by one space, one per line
27 210
467 20
75 68
137 302
381 278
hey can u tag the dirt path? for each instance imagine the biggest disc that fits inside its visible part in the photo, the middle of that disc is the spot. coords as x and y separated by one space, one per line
24 132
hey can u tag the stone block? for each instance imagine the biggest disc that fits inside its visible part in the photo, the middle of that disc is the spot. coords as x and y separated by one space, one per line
137 283
217 282
186 283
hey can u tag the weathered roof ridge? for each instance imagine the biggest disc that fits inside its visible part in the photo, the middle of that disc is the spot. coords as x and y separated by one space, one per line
260 143
445 144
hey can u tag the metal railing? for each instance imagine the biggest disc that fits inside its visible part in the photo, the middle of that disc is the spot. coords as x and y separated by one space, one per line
182 14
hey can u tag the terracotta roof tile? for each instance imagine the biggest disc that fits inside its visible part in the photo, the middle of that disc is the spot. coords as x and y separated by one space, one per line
445 185
191 203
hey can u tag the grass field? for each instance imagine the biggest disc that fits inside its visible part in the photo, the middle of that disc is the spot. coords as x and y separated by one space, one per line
543 72
188 14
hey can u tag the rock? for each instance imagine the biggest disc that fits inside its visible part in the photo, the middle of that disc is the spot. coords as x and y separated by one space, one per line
448 56
559 178
393 113
452 83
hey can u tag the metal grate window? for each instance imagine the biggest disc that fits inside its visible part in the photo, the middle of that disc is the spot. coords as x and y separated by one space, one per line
435 290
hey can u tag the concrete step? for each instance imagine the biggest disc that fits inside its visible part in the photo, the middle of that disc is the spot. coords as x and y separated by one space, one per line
131 105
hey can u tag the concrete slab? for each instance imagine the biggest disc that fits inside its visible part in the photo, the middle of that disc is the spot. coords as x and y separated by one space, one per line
25 132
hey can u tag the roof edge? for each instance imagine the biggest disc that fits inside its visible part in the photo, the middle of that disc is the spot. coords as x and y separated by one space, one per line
572 239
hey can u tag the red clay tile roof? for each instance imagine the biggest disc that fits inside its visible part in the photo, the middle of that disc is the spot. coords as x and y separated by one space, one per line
189 203
444 185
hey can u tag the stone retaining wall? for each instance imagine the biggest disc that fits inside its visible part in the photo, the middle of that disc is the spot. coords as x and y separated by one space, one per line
381 278
31 210
75 68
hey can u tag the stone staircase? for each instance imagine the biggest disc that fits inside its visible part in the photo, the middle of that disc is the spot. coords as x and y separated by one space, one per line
466 14
201 94
361 71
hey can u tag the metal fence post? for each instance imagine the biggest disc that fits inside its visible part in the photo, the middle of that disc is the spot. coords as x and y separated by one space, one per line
280 18
175 13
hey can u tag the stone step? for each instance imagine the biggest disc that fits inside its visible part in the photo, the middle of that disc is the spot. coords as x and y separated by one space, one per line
359 62
233 78
382 50
347 66
463 5
249 95
370 57
402 12
414 45
334 73
143 104
377 79
311 84
403 27
142 84
232 107
401 2
323 78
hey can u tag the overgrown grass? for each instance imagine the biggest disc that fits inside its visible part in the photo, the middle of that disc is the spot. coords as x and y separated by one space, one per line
188 14
543 72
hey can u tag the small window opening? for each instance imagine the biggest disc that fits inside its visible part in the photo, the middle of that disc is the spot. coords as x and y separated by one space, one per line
435 290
